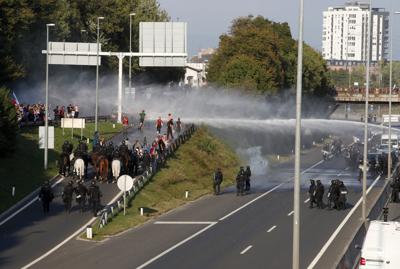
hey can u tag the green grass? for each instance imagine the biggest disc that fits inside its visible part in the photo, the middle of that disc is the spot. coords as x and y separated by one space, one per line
24 169
191 168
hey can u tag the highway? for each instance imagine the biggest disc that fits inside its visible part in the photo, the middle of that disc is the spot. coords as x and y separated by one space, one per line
29 233
223 231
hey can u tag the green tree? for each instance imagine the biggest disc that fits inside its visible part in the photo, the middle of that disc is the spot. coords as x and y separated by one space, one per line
8 123
260 55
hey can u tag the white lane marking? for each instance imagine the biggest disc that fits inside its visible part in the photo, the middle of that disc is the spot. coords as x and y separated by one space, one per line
266 193
175 246
290 213
347 168
81 229
59 245
185 222
336 232
271 229
246 249
306 201
28 204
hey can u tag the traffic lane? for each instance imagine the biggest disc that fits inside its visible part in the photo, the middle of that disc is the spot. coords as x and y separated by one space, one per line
125 251
30 233
221 245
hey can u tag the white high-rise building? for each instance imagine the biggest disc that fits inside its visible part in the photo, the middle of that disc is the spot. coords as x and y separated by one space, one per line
345 34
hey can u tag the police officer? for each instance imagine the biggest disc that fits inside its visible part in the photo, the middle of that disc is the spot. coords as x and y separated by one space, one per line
240 181
123 147
332 195
248 175
218 177
319 194
46 196
311 193
67 147
81 192
342 196
94 197
67 196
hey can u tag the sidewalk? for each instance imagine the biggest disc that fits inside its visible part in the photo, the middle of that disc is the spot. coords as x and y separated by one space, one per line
30 233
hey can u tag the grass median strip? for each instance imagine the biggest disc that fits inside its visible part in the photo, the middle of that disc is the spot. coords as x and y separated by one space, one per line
24 169
190 169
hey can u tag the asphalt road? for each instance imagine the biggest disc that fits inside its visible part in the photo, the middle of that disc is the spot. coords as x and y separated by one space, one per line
30 233
223 231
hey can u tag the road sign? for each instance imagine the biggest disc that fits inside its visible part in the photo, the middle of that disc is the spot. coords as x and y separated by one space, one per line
72 123
394 118
125 183
60 53
50 142
162 37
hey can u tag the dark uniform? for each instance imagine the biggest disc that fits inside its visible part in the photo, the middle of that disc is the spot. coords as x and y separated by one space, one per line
94 197
46 196
218 177
319 194
248 175
395 191
342 196
67 196
81 192
332 195
240 181
311 193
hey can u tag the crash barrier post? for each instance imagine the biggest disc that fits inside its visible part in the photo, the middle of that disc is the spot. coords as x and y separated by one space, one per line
112 210
350 257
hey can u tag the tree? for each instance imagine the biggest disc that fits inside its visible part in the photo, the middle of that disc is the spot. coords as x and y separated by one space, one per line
8 123
261 55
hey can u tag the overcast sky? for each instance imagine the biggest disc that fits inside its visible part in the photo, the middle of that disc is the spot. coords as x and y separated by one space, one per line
208 19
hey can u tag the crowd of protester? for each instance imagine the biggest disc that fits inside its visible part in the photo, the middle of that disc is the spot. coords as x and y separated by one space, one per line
35 113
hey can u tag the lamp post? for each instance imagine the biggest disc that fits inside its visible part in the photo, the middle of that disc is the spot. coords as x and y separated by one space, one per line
46 112
389 172
365 159
97 76
130 50
296 189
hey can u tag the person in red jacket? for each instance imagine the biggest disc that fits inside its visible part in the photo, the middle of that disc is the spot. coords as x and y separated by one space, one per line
125 123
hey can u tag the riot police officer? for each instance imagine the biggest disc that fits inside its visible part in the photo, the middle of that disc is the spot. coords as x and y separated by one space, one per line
319 194
94 197
332 195
81 192
46 196
311 192
342 196
248 175
67 196
240 181
217 180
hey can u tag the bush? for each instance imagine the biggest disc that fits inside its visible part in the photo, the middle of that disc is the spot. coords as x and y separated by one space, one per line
8 123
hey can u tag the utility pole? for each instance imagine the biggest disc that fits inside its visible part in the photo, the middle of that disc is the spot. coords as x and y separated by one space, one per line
46 112
96 113
365 159
297 175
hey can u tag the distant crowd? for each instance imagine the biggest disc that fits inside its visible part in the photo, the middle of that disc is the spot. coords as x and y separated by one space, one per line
356 90
36 112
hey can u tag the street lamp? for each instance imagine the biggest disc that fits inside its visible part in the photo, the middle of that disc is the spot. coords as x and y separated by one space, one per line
97 76
296 189
130 50
46 112
389 173
365 159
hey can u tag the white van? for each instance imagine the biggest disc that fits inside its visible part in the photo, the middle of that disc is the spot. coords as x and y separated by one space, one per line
381 246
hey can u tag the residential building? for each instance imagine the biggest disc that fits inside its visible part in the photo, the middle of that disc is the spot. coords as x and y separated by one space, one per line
345 34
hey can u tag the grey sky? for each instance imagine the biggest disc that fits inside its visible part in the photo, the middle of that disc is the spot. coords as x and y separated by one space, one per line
208 19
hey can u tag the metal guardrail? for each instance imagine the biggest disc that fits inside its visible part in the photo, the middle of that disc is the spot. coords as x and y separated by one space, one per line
88 119
113 209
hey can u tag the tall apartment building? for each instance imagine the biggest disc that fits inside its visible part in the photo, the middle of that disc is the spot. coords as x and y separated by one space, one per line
345 34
